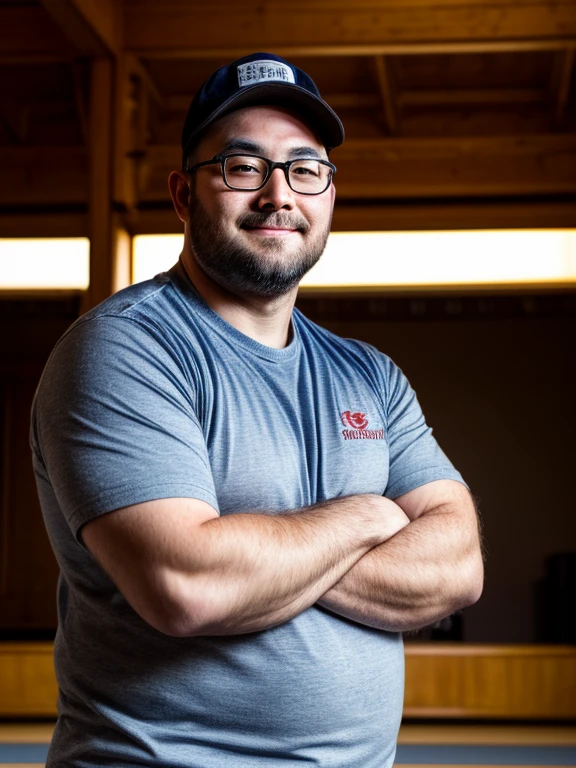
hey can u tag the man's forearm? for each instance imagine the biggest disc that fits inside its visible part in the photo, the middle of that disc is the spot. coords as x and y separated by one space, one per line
252 572
428 570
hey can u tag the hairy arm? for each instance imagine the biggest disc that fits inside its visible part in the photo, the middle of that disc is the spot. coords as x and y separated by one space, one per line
188 572
430 569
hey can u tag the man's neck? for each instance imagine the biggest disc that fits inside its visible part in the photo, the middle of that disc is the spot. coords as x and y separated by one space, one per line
267 321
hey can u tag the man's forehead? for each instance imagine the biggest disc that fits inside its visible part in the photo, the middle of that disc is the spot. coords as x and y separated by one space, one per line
264 129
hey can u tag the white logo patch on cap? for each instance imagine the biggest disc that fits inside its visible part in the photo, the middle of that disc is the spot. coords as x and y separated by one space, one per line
264 71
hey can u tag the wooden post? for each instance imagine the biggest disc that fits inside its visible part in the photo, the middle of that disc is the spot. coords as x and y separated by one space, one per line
110 243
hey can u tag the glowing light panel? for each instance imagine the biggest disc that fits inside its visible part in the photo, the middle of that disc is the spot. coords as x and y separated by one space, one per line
152 254
446 258
419 259
44 263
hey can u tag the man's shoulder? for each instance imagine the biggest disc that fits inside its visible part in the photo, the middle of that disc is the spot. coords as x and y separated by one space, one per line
154 305
138 300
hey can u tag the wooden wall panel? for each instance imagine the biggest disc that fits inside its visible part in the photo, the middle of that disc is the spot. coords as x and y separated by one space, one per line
479 681
446 681
28 680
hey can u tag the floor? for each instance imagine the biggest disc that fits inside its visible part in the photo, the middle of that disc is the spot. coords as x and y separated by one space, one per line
418 745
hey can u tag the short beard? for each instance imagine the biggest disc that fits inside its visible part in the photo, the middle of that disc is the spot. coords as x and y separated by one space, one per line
242 271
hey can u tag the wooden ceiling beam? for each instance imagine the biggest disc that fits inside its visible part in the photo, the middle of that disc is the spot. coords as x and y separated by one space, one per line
180 103
95 29
290 52
444 167
407 216
194 29
435 97
384 168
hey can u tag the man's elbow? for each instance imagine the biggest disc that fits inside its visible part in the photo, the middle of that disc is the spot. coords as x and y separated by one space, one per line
173 608
469 583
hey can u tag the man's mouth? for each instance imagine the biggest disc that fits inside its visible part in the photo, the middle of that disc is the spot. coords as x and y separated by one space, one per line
271 231
273 226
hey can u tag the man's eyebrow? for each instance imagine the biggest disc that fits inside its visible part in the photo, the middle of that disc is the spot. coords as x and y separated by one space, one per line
305 152
245 145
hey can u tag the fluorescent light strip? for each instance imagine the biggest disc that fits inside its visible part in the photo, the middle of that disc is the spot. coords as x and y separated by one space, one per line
351 259
446 258
51 263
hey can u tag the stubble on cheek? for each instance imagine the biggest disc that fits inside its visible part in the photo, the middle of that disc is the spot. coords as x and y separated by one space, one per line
254 265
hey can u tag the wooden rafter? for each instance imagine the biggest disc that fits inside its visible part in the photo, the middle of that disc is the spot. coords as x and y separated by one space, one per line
396 167
370 168
381 49
94 28
434 97
338 27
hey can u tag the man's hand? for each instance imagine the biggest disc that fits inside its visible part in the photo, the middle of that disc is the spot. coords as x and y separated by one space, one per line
432 568
187 571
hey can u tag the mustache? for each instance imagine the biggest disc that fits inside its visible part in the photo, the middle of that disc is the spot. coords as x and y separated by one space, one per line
279 219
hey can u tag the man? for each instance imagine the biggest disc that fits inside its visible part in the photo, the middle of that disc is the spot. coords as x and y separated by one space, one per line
247 510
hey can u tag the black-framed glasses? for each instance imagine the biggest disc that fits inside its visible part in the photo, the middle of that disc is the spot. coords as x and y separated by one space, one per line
305 175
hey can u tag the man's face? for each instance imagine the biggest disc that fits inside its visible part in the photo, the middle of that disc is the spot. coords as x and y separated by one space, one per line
257 243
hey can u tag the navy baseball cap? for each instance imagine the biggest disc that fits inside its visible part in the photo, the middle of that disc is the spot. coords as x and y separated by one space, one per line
261 78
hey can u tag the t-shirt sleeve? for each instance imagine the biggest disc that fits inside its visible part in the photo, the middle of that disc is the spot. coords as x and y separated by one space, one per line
114 422
415 456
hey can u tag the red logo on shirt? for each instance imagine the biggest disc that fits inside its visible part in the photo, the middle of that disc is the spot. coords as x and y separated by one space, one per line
357 427
354 420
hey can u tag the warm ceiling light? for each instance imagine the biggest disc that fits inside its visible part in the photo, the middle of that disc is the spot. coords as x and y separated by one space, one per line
36 263
152 254
414 259
515 257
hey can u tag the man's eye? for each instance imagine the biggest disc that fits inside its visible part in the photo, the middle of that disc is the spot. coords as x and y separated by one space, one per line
243 168
308 169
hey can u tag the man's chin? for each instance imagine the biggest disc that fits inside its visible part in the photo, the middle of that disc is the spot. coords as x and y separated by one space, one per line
264 241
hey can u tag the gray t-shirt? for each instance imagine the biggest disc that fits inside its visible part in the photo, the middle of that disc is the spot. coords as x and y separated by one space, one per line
153 395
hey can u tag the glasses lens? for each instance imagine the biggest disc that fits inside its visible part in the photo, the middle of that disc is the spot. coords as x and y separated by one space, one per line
309 176
245 172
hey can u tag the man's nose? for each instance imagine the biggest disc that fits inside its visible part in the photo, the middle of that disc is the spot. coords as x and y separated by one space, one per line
276 193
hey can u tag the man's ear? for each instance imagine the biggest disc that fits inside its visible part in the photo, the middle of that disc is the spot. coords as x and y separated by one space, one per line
179 187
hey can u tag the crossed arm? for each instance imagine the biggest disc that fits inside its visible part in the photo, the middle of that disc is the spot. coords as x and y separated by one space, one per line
394 566
429 569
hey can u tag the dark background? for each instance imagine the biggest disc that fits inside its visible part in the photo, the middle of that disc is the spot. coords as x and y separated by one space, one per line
496 378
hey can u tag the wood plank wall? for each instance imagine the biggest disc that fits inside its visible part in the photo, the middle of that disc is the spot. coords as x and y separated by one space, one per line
443 680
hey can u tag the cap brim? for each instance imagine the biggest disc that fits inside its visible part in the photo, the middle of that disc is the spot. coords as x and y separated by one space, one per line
320 116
